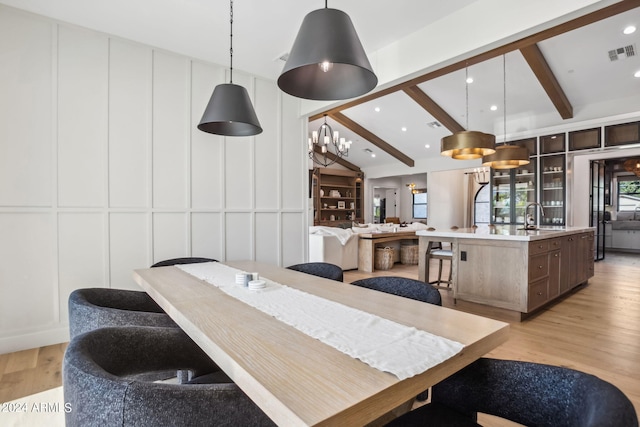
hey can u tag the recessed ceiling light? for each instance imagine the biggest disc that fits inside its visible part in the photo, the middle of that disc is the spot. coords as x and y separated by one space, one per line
373 154
404 129
469 80
494 107
629 30
377 109
637 74
427 146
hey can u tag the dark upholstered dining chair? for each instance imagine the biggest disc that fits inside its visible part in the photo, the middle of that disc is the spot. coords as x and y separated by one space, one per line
527 393
320 269
103 384
178 261
402 286
93 308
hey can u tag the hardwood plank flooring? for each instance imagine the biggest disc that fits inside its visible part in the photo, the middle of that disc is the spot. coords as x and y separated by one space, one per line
595 329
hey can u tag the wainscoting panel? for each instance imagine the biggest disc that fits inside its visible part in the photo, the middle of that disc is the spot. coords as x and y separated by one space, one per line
170 237
171 130
81 258
28 291
129 124
267 241
294 158
207 155
294 244
82 117
207 235
26 162
239 233
267 148
129 247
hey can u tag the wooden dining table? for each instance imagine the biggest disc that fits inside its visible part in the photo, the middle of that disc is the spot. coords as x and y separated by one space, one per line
298 380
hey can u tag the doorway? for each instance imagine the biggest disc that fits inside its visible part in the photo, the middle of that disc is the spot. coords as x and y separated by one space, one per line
384 203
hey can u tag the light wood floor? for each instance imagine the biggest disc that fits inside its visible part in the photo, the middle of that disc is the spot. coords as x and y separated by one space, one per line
595 329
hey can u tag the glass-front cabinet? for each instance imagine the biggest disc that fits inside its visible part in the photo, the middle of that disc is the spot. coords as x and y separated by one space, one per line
552 191
512 191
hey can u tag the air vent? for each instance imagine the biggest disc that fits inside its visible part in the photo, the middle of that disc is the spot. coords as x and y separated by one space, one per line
622 52
283 57
434 125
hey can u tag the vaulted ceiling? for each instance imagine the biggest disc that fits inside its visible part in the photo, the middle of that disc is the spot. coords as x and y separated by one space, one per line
560 76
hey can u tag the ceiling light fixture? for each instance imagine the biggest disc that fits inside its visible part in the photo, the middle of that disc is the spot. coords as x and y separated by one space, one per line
229 111
506 156
468 144
636 74
326 146
481 175
327 61
629 30
633 165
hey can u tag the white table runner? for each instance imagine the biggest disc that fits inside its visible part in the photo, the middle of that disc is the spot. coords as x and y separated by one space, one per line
381 343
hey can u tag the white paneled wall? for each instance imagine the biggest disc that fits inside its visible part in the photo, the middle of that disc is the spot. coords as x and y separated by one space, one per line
102 170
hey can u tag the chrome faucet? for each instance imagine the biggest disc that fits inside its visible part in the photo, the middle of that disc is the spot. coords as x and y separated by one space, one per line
530 223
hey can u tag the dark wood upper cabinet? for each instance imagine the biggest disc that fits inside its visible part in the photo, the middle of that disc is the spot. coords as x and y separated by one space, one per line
627 133
584 139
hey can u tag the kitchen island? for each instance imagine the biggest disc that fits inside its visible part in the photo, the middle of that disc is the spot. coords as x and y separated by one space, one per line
510 268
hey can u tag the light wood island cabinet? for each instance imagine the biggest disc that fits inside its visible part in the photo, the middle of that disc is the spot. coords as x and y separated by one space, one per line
513 269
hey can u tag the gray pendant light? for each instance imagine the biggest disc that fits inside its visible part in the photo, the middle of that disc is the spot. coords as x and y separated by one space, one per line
327 61
229 111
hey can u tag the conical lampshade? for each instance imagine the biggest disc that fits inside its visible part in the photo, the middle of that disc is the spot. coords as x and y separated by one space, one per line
327 61
507 157
230 112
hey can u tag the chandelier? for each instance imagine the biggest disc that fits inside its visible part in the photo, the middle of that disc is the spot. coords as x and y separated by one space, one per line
326 146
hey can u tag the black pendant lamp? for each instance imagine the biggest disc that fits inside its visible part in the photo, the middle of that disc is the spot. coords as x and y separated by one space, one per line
327 61
229 111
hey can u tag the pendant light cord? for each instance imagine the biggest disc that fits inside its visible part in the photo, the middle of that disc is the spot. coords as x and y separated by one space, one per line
231 42
504 93
466 86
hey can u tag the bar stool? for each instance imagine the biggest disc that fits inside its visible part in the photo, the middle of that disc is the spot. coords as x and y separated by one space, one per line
441 254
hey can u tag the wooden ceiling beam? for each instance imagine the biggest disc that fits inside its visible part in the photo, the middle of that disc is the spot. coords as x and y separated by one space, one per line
338 160
372 138
590 18
538 64
431 107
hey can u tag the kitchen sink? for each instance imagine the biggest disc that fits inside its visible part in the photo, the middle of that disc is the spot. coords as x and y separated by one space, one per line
625 225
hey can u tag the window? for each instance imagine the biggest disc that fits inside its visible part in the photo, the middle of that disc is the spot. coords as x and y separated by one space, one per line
628 193
420 205
481 211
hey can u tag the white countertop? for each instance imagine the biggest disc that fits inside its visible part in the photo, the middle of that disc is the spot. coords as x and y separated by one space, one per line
505 232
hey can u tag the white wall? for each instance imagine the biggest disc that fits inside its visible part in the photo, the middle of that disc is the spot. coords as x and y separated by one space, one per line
446 196
103 171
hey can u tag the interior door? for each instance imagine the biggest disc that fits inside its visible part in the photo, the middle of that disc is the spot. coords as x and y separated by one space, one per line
597 203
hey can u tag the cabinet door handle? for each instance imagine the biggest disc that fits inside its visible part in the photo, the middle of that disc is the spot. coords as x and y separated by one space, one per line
556 255
539 267
539 293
